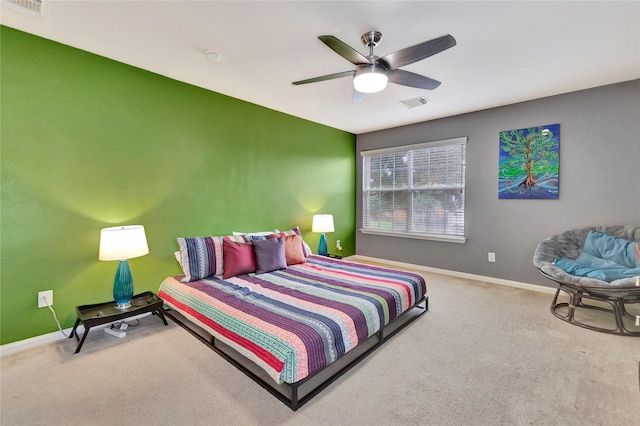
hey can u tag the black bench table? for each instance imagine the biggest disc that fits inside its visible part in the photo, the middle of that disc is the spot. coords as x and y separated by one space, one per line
103 313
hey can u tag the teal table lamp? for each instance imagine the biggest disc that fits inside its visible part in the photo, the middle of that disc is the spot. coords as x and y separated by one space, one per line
122 243
322 223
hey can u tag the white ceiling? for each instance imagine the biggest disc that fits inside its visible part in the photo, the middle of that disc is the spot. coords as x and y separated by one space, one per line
506 52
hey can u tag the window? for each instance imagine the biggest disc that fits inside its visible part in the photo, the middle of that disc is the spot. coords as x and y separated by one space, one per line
415 191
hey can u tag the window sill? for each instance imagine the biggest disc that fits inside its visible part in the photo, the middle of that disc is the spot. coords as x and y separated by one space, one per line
415 235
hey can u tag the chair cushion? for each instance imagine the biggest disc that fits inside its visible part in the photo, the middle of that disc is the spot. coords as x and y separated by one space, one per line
570 245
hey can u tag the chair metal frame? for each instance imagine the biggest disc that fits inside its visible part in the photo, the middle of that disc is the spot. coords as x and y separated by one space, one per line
616 298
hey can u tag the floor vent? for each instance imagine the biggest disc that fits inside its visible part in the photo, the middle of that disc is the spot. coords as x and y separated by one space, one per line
415 102
33 7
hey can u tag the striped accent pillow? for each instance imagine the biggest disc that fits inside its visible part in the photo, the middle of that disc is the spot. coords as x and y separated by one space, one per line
235 238
248 236
200 257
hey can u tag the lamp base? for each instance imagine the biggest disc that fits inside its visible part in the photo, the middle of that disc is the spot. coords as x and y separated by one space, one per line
123 286
322 245
122 306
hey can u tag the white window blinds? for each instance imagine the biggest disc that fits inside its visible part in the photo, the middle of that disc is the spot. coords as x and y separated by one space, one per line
415 190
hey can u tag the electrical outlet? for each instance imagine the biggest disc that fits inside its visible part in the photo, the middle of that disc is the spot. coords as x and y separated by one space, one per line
43 297
338 245
491 256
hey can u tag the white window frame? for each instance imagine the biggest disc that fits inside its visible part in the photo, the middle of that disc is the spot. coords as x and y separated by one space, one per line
455 236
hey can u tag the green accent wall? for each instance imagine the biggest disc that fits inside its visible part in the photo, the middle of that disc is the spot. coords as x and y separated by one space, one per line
88 142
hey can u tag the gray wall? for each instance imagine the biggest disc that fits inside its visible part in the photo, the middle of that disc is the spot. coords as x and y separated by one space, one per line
599 180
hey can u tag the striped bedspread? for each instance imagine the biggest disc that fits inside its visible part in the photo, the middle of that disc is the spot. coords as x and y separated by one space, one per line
296 321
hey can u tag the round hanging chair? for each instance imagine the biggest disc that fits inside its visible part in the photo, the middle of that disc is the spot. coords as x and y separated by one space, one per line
615 297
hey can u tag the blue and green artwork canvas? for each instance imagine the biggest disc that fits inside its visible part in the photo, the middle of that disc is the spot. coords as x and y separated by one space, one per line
528 163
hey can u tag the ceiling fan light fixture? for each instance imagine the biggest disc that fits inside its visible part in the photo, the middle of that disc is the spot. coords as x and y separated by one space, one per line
370 78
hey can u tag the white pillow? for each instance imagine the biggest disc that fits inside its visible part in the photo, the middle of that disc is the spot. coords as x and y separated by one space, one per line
258 234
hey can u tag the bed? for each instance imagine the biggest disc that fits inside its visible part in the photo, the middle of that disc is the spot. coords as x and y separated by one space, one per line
295 330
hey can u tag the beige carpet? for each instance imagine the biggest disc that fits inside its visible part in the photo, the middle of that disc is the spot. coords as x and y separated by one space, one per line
483 355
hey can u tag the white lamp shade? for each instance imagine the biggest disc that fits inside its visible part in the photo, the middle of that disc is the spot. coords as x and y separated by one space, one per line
370 79
122 242
322 223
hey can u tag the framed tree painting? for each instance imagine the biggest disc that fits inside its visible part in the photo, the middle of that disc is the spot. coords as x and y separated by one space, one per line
528 163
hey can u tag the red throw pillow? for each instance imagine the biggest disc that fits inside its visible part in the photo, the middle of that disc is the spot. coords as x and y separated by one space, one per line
238 258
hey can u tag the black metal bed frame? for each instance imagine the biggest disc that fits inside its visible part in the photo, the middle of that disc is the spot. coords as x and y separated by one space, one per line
295 395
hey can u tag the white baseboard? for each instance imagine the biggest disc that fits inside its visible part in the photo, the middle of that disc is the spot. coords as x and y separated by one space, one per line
491 280
23 345
43 339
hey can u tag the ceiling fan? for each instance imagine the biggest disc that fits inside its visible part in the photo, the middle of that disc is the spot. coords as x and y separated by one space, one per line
372 72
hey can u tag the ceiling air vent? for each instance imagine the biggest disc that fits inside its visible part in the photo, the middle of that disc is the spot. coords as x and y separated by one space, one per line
415 102
33 7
